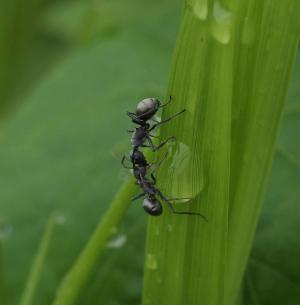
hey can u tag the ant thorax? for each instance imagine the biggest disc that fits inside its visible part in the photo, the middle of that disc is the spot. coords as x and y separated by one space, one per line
139 136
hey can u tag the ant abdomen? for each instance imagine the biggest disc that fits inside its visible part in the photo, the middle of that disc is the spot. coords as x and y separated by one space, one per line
147 107
152 207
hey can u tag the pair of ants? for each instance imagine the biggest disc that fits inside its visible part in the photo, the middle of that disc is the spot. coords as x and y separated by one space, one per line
146 109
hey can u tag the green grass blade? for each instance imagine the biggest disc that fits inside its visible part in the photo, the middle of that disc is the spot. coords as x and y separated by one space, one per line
5 233
185 256
263 64
231 72
38 264
2 272
77 277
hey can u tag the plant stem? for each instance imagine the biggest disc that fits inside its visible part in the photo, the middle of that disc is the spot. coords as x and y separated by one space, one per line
78 275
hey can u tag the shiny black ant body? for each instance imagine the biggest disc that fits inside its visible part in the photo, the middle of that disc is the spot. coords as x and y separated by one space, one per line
151 204
146 109
139 163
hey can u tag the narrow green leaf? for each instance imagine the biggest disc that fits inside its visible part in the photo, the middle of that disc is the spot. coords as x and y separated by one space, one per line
2 281
231 72
38 264
185 256
264 58
77 277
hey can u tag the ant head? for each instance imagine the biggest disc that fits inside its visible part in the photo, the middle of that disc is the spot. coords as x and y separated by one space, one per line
152 207
147 107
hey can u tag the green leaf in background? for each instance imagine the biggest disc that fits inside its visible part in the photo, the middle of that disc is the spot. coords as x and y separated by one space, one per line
273 273
18 26
57 156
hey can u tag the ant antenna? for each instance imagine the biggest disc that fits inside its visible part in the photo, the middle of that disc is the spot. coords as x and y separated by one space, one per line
184 213
167 200
166 120
123 162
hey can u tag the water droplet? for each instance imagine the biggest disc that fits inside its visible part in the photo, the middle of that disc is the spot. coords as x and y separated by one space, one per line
169 228
199 8
151 262
6 230
59 217
117 242
221 25
156 231
181 170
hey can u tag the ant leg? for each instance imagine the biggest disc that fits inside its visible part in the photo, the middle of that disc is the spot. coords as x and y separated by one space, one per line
153 178
123 162
164 142
168 102
137 196
161 195
151 145
153 136
135 118
131 131
155 148
184 213
131 115
167 120
158 163
167 200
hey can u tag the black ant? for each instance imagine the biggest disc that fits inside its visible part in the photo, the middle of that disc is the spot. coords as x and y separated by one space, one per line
151 205
145 111
139 163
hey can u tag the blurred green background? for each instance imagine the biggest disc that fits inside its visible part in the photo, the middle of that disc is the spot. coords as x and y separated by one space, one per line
69 70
